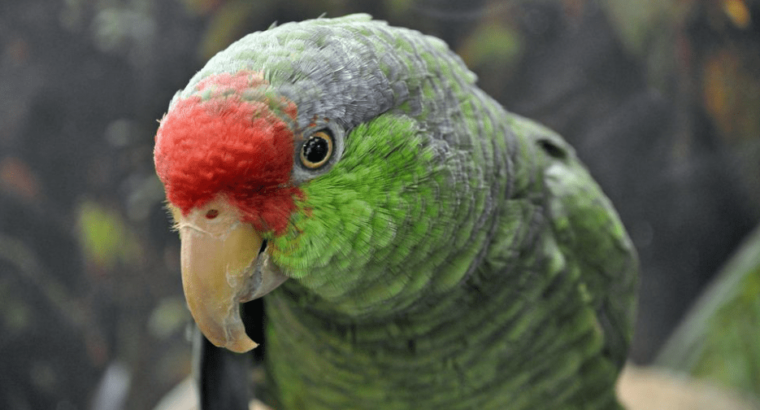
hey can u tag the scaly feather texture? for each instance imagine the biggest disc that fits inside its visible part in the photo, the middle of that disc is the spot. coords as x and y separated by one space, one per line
450 255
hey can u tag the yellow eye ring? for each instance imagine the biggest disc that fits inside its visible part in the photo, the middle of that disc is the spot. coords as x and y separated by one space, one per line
317 150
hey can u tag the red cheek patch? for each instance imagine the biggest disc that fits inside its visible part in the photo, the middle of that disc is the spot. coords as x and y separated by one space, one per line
225 145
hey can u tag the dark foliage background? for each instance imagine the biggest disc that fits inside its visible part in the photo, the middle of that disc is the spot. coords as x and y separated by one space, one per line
660 98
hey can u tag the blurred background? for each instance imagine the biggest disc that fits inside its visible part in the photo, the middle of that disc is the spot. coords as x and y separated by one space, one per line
661 99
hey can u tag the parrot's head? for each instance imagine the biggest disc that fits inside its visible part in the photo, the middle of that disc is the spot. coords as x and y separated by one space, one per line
298 154
226 156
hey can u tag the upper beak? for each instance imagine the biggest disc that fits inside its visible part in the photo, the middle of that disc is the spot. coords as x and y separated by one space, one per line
221 268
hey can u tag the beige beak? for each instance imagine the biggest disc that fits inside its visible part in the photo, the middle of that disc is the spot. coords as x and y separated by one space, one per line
219 271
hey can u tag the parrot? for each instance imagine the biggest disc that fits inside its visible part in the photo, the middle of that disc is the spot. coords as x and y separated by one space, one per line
411 244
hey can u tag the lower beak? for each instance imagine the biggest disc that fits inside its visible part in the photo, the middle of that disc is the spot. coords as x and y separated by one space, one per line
221 268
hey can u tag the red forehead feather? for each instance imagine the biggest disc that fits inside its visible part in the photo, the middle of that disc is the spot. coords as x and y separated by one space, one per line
226 145
236 81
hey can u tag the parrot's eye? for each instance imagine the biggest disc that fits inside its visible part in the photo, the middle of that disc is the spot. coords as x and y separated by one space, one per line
317 150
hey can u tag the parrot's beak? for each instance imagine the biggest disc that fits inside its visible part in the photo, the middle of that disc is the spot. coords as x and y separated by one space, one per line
221 268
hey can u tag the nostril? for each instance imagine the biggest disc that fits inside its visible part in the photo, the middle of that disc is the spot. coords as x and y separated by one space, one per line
263 246
211 214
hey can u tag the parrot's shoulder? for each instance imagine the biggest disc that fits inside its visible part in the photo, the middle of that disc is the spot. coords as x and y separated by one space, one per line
587 230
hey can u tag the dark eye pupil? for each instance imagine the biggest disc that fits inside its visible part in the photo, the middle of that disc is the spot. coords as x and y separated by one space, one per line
315 149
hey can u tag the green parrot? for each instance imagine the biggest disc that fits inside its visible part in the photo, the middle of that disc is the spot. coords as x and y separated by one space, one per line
424 248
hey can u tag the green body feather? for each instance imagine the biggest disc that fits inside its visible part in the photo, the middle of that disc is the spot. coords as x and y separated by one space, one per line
456 256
